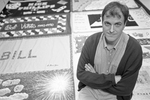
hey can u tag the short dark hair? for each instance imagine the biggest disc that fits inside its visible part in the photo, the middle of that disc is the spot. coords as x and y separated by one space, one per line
113 8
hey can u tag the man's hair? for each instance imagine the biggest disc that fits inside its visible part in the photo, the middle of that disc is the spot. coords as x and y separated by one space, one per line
113 10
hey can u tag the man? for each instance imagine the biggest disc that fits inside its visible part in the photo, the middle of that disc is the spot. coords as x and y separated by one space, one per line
110 61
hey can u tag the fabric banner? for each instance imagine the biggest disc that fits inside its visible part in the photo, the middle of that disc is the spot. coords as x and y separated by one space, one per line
35 25
142 17
34 8
35 54
88 5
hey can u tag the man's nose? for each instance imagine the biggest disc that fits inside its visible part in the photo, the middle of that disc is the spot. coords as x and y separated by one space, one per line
112 28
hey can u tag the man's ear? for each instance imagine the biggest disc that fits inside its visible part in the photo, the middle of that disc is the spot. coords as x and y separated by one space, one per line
125 23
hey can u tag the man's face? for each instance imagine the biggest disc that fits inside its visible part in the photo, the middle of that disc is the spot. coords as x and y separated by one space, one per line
113 27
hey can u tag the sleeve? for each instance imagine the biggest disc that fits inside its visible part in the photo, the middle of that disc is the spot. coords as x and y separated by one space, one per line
93 80
126 85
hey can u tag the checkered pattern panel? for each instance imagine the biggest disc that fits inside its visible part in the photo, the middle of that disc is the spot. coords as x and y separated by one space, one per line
32 32
34 18
61 26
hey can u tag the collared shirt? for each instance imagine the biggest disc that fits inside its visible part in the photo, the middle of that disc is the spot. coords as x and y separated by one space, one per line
110 54
107 60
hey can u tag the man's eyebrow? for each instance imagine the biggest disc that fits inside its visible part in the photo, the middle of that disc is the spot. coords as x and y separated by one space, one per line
118 23
107 21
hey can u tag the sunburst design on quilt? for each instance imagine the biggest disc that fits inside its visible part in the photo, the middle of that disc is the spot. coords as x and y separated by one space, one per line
56 86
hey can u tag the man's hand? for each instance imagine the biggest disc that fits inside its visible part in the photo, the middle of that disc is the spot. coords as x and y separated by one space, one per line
117 78
89 67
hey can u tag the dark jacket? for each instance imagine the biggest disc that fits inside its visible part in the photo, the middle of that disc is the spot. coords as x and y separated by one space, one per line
128 68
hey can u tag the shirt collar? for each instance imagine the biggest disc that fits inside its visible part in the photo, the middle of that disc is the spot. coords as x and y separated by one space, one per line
116 46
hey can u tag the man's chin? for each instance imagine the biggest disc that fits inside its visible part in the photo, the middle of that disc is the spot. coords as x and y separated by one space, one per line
110 39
